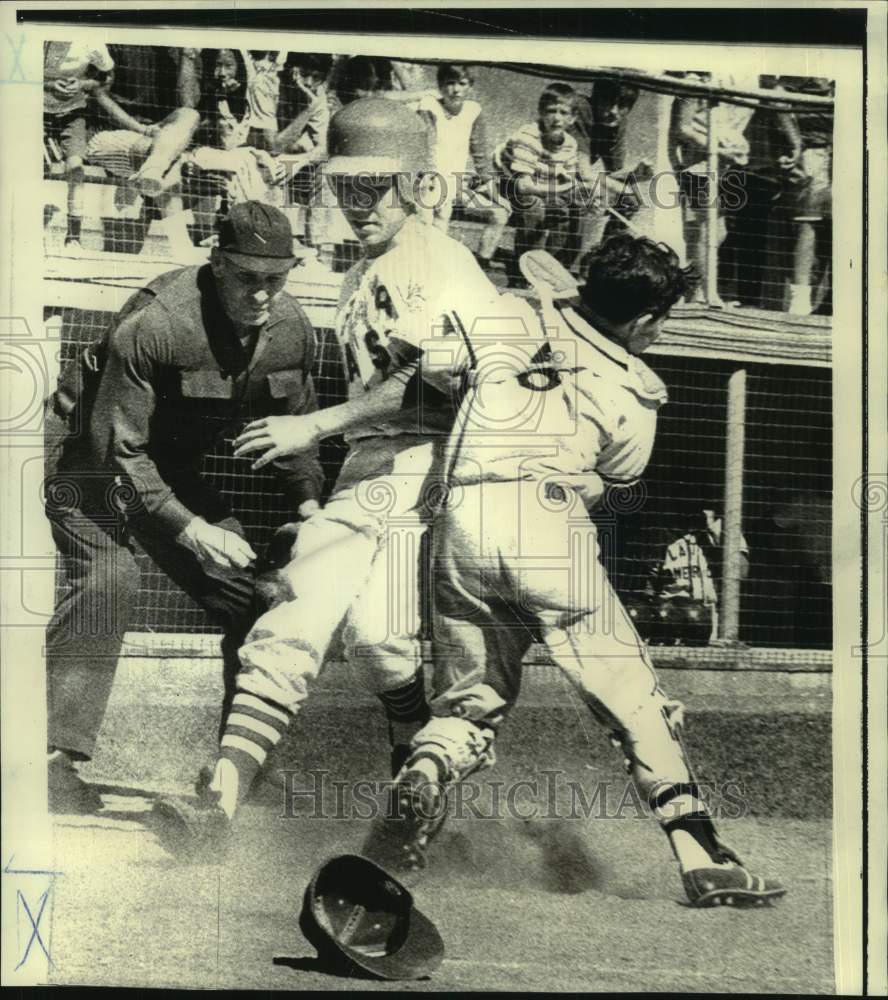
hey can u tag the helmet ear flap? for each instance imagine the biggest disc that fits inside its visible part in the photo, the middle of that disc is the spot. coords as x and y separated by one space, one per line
409 189
421 190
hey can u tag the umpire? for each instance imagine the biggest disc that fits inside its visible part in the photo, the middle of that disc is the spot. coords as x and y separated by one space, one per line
189 360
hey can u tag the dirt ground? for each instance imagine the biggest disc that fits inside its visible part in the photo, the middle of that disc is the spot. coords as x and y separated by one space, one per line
610 915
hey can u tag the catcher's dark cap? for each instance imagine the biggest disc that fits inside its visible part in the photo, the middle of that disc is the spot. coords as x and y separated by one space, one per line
357 915
258 237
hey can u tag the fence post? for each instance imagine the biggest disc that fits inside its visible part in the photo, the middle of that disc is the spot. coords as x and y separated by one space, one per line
729 617
710 278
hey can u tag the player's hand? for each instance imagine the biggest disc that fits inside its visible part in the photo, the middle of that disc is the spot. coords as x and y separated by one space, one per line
277 437
150 130
66 87
218 550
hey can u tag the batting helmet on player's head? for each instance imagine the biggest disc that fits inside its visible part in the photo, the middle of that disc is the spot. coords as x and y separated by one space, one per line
374 135
360 918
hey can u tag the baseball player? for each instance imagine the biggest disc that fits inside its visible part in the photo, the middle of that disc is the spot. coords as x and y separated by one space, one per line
682 588
414 285
511 560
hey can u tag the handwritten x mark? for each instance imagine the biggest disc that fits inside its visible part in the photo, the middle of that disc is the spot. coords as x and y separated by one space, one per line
35 926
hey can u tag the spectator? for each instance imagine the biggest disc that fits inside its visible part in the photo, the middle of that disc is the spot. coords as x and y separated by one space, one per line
758 230
224 108
688 152
304 114
460 132
154 92
263 70
362 76
304 110
600 130
540 178
71 72
810 194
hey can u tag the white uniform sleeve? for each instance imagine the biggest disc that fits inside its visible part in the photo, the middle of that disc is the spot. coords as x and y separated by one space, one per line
463 324
618 433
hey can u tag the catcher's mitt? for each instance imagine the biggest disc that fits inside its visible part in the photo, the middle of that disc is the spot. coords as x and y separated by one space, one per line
271 583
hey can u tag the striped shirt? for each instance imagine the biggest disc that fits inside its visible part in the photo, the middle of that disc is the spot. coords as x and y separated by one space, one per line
524 153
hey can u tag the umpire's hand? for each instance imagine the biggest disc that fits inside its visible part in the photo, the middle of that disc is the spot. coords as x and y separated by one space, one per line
218 550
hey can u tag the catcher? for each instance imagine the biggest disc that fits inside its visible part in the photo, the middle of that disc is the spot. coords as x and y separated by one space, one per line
506 571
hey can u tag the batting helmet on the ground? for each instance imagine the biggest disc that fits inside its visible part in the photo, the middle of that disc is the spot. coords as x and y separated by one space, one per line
360 918
374 135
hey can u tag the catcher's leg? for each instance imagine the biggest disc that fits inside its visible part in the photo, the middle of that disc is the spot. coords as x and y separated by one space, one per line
475 672
606 660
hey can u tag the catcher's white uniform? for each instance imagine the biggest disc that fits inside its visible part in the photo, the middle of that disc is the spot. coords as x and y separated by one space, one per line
395 309
520 558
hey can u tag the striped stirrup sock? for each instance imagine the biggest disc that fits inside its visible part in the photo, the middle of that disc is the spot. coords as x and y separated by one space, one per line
253 728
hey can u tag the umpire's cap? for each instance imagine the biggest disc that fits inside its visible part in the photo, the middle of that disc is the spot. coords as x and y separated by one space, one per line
356 914
258 237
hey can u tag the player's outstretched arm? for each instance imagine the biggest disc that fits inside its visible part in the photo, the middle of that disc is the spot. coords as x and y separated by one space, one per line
277 437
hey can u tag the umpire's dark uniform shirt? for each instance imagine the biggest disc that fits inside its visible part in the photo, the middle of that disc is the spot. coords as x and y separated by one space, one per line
176 380
127 431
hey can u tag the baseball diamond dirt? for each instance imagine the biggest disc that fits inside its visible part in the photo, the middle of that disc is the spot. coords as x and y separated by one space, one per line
550 903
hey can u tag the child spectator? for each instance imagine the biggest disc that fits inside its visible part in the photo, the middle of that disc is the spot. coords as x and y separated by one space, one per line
152 94
263 70
601 119
758 230
361 76
688 152
225 111
540 179
304 110
460 133
600 130
810 193
71 72
304 114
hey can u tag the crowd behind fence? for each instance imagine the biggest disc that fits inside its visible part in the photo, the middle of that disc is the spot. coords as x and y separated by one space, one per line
149 143
145 145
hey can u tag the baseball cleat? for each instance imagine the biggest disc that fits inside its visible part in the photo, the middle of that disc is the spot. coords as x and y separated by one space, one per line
415 810
69 794
268 787
708 887
191 830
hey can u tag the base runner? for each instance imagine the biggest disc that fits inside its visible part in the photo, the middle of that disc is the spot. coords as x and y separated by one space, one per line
412 285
